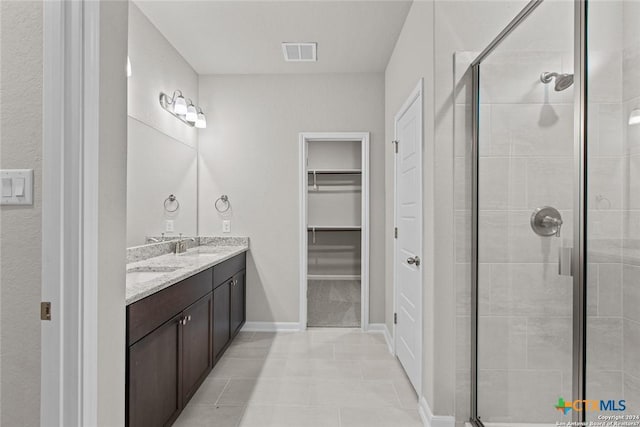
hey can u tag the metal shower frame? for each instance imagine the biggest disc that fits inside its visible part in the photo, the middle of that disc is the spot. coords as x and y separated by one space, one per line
579 211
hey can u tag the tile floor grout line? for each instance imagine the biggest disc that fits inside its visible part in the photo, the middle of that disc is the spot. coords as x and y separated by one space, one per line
222 392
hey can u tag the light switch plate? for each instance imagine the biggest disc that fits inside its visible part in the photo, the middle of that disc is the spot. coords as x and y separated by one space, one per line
168 226
21 181
226 226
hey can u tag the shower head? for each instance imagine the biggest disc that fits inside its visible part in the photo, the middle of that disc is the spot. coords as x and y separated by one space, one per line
563 81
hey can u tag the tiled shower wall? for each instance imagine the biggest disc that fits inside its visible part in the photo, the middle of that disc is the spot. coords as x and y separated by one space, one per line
527 161
631 214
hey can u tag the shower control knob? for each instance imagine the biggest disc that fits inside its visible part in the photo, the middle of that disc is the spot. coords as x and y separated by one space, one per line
546 221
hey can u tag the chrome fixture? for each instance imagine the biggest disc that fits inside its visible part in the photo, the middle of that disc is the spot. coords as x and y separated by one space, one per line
169 201
563 81
414 260
182 109
546 221
634 117
226 204
181 244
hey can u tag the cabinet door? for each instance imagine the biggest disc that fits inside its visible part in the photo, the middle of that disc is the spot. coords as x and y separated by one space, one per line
196 346
221 301
154 377
237 302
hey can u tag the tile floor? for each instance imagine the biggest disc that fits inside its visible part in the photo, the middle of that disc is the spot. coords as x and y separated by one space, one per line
316 378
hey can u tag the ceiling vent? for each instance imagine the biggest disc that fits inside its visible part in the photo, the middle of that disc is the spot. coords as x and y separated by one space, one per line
300 52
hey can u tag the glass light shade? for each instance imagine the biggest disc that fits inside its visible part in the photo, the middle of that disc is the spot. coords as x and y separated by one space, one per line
192 114
634 117
179 105
201 121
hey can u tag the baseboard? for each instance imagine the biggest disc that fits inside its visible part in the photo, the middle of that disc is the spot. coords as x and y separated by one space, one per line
430 420
382 328
271 327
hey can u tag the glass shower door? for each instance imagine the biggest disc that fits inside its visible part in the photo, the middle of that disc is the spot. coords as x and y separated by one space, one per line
525 201
613 208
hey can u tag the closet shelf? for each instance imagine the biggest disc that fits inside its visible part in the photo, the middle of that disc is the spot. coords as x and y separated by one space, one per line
333 228
335 171
333 277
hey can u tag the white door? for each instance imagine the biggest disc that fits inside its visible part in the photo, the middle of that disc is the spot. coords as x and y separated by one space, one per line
408 248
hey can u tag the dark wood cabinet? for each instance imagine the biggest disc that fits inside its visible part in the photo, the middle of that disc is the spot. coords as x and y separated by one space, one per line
174 338
237 303
221 318
196 346
154 377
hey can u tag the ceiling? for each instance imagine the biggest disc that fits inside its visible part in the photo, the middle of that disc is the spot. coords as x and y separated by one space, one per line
244 37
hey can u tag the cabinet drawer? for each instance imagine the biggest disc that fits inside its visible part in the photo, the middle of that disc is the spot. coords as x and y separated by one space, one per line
147 314
225 270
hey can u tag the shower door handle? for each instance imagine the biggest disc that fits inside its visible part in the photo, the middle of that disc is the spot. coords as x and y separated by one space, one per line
565 261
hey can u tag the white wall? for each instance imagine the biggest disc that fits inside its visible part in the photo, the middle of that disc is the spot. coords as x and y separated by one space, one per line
250 152
403 72
432 33
21 226
162 151
113 209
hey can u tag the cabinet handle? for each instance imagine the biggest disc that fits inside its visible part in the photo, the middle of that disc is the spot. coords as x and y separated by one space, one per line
189 318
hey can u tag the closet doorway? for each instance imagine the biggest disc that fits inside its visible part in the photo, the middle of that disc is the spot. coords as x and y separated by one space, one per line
334 230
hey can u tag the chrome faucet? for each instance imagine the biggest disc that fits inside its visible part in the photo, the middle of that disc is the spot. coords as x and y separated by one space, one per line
181 244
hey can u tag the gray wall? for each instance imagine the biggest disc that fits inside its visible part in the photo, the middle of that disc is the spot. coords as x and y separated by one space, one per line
162 151
113 212
433 32
21 226
250 152
21 232
403 72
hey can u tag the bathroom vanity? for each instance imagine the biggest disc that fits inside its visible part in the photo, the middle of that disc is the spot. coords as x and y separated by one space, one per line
183 311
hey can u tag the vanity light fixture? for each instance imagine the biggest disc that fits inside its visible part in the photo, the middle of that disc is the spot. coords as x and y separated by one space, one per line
179 103
192 114
201 120
186 112
634 117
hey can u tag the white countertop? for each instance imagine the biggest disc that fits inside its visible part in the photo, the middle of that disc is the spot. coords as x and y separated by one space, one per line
151 275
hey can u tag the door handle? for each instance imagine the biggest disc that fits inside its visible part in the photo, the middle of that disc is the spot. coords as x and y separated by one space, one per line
414 260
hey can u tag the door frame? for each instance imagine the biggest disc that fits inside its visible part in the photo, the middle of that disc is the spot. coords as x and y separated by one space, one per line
304 139
69 341
416 94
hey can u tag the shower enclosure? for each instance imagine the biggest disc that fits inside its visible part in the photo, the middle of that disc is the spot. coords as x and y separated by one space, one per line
555 254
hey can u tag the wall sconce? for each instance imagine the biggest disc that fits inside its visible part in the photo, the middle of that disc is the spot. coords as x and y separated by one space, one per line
183 110
634 117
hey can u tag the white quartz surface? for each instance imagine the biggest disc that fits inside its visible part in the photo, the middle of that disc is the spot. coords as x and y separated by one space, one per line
154 274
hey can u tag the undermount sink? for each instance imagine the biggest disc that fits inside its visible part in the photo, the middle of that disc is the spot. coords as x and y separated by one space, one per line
144 274
198 254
